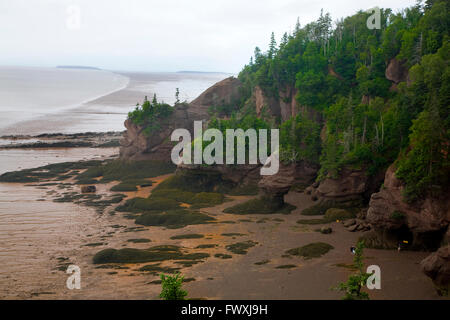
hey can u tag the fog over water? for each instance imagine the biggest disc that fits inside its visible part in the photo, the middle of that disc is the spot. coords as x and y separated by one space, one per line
53 100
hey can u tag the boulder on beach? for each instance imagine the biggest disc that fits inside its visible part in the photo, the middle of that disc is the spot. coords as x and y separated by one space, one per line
88 189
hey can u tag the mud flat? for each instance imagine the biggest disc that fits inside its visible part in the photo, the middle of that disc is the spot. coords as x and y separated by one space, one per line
232 256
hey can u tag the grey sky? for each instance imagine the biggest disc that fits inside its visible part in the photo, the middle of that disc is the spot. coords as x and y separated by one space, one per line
148 35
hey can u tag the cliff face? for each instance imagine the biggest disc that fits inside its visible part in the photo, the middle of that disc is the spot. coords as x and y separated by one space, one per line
352 187
135 145
284 108
277 185
396 72
423 223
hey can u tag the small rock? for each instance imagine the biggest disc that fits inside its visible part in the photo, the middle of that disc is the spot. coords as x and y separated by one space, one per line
88 189
326 230
352 228
349 222
308 190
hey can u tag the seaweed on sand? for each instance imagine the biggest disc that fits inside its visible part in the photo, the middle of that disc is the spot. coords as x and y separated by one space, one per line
152 254
312 250
260 206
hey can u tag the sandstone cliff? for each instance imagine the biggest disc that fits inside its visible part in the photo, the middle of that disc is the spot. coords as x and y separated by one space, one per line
295 174
283 108
423 224
135 145
437 267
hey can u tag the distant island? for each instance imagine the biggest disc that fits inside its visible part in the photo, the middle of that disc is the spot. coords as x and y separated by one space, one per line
189 71
78 67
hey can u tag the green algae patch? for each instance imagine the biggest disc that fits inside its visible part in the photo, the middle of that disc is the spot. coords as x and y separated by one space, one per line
146 204
140 240
241 247
260 263
196 200
260 206
119 170
157 253
350 267
322 207
233 234
47 172
156 269
202 180
173 219
99 202
94 244
286 266
244 190
188 263
131 185
332 214
312 250
187 236
223 256
206 246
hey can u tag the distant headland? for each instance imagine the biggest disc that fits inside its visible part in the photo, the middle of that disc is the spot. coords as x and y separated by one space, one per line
78 67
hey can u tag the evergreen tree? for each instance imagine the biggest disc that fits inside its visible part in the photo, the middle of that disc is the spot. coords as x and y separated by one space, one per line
272 46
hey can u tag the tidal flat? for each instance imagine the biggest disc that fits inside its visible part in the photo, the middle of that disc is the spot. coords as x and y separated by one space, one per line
230 257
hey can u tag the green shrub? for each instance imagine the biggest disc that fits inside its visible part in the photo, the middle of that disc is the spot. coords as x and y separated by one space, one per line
397 215
172 287
355 282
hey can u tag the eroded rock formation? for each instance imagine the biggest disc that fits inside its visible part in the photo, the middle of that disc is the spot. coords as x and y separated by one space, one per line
277 185
437 267
351 188
283 108
422 224
136 145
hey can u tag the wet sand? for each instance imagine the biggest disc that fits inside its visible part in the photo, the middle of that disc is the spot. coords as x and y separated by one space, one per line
38 237
18 159
109 111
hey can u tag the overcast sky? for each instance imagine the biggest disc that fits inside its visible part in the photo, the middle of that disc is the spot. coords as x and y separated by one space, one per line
150 35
